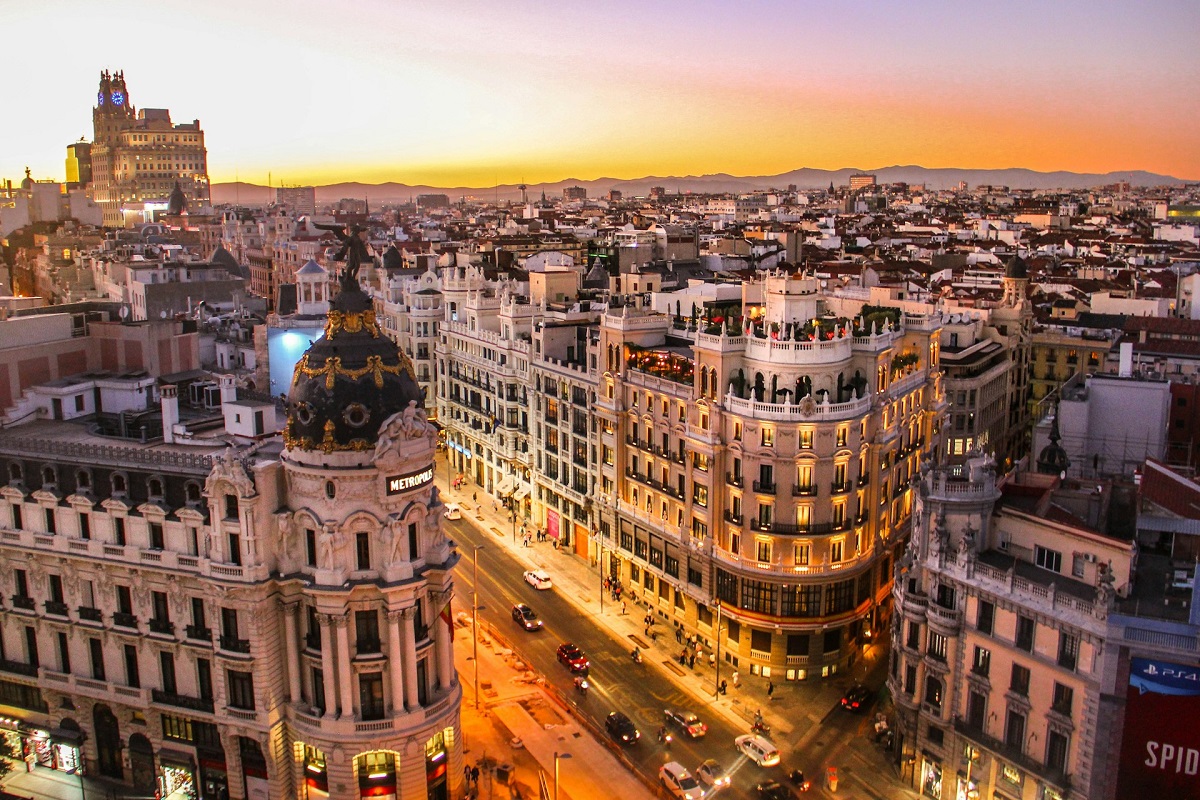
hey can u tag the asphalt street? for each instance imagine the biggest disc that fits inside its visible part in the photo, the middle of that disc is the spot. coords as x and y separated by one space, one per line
642 691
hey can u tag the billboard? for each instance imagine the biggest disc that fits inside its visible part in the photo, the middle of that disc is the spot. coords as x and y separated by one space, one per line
1160 751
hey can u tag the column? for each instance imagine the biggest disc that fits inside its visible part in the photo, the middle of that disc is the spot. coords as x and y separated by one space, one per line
291 642
395 661
327 675
345 673
443 643
410 658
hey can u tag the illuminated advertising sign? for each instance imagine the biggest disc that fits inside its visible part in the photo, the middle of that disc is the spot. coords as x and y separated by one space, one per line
1160 752
397 484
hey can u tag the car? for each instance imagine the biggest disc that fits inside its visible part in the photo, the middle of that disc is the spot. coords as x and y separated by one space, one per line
537 578
712 774
772 790
572 657
679 782
453 511
757 749
621 728
686 721
526 617
856 699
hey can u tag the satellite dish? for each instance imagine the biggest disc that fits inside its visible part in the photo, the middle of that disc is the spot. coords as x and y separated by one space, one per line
162 315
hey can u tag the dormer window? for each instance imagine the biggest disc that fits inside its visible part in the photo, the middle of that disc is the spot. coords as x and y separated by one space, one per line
192 493
15 472
83 480
49 476
119 484
155 487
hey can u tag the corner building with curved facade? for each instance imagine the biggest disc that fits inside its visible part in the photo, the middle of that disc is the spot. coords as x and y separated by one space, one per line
755 472
238 618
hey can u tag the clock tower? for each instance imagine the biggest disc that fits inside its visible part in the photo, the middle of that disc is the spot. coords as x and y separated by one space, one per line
113 112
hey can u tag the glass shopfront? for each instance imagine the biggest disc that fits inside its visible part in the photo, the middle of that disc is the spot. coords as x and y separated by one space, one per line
316 779
57 750
176 781
376 775
931 779
436 760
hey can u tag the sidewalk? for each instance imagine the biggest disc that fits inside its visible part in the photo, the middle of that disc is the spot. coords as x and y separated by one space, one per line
48 784
520 723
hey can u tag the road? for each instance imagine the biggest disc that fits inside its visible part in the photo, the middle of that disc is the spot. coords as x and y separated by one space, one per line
641 691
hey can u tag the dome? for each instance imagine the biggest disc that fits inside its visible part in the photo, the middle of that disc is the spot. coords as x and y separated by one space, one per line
176 203
350 381
1016 268
1053 459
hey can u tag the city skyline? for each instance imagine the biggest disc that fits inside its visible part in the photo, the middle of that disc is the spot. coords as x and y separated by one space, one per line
480 96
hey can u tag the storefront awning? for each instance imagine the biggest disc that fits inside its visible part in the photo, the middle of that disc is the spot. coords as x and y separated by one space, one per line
504 487
521 494
66 736
177 757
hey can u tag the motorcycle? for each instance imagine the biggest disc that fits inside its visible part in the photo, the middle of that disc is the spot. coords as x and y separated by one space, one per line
636 655
664 737
760 727
797 778
581 686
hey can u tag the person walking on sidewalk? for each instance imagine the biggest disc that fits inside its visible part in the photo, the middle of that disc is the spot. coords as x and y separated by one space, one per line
735 679
622 605
475 497
770 689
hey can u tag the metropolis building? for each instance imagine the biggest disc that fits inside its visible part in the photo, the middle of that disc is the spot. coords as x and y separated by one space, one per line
232 615
755 474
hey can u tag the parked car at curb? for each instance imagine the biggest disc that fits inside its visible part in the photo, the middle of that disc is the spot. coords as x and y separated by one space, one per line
537 578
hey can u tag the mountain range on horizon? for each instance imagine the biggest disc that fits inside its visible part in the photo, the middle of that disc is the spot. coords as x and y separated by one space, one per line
804 178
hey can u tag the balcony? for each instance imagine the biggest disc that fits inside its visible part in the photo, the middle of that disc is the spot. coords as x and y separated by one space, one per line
804 491
841 488
90 614
125 620
235 645
763 487
24 602
735 480
163 626
947 619
181 701
199 633
56 608
736 519
1014 755
18 668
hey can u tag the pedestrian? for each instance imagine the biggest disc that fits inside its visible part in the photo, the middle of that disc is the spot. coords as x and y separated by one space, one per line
735 678
622 605
770 689
692 661
679 635
467 774
647 630
475 774
712 659
724 686
475 497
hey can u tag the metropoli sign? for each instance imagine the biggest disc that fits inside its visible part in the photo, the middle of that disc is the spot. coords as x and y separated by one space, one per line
403 483
1160 753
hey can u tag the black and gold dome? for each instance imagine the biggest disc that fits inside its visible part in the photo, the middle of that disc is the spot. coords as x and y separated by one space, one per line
349 381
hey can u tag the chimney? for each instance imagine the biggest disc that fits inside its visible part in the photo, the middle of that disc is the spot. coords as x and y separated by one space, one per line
228 390
1126 368
170 412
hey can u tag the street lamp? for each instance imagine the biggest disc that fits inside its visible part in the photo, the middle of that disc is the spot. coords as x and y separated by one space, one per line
475 617
720 630
557 756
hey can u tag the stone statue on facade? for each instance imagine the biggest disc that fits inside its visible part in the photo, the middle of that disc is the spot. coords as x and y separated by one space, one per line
966 545
1105 593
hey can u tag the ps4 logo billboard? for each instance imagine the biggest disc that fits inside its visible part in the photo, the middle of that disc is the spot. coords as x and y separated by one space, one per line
1161 677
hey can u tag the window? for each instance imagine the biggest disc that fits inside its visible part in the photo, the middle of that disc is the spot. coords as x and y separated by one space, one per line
762 550
1014 730
976 710
1025 628
768 436
801 601
241 689
119 530
803 553
1064 698
982 663
235 549
1077 562
1020 680
310 546
727 587
231 506
758 596
156 536
914 635
1068 650
985 617
366 631
166 664
318 690
910 680
362 542
700 494
370 695
840 597
695 577
937 646
56 589
204 679
1047 559
806 438
1057 747
132 672
96 651
85 526
933 692
124 600
161 611
64 654
836 548
413 550
672 566
51 521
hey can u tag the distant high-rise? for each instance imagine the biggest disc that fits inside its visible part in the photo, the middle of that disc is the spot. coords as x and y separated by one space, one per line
79 165
861 180
298 199
572 194
138 158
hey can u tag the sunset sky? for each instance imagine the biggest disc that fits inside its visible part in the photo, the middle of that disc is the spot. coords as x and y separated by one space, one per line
467 93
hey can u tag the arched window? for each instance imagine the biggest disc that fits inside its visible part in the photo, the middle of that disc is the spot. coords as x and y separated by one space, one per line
83 479
933 692
49 476
119 484
14 471
155 487
192 493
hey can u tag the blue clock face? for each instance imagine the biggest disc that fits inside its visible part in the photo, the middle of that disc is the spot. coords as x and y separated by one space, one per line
100 98
118 98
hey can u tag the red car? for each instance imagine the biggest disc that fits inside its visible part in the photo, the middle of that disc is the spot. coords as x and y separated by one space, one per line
572 657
